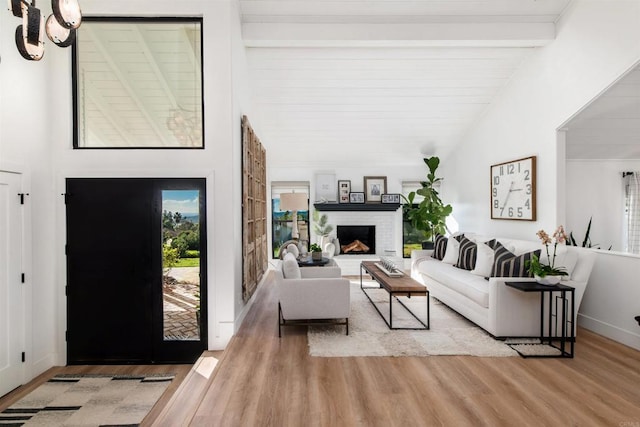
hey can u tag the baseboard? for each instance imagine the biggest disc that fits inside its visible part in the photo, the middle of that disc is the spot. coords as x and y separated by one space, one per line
43 364
628 338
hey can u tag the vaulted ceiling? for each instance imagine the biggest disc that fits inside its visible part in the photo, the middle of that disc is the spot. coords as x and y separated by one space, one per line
344 82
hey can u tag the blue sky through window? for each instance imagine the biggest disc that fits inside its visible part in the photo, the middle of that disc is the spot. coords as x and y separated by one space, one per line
184 201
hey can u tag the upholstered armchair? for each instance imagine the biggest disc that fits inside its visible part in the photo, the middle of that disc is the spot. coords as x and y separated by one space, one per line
311 295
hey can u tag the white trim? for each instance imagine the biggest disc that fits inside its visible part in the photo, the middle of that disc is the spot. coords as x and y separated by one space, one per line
610 331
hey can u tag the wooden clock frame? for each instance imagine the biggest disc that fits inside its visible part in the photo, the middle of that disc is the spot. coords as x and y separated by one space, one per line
533 188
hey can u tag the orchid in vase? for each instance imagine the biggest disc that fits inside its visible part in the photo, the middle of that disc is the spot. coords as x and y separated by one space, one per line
541 270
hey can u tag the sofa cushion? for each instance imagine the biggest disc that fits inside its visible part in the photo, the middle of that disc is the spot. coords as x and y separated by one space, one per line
473 287
484 260
439 247
507 264
467 254
453 250
290 267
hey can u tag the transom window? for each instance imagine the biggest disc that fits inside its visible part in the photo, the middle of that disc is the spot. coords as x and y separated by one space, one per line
138 83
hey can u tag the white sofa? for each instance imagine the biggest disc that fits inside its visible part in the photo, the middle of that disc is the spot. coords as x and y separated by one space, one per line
500 310
309 295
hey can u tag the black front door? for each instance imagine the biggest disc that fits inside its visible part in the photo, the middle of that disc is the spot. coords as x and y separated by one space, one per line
122 301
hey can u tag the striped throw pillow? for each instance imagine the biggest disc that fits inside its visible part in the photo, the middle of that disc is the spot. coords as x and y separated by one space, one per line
467 254
506 264
440 247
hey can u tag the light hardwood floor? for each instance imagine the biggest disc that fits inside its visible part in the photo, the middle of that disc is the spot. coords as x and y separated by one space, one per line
261 380
265 381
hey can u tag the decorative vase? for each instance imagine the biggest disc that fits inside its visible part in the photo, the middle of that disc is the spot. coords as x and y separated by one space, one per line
316 256
548 280
336 243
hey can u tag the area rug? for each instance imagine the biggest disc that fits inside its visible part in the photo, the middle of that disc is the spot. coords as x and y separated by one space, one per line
450 333
88 400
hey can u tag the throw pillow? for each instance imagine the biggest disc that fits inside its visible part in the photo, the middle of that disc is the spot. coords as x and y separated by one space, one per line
506 264
440 247
484 260
290 268
467 254
293 249
453 249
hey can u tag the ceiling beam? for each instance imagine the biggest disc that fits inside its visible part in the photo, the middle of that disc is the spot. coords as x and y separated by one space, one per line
398 35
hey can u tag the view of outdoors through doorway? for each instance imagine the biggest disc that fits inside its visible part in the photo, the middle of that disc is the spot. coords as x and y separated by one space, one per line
181 264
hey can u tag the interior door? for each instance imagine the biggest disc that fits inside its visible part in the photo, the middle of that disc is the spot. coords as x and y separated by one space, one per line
11 291
115 273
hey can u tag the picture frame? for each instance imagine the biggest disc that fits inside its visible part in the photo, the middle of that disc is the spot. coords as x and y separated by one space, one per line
374 188
390 198
326 188
356 197
344 188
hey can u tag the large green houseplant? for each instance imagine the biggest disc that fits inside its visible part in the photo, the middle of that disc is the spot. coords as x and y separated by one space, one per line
429 216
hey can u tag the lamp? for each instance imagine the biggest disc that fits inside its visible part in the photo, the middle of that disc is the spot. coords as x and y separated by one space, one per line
294 202
60 26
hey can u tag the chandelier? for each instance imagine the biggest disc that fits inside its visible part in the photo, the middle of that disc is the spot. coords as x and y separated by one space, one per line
60 27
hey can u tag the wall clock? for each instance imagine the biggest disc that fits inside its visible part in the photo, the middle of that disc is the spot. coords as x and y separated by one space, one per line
513 190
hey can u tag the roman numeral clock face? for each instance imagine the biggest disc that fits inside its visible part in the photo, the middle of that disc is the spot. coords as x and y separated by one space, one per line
513 190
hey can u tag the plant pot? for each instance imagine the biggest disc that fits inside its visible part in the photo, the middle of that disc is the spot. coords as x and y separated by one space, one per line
317 256
548 280
428 245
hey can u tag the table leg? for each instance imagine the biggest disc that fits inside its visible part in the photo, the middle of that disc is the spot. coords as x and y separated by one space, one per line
390 310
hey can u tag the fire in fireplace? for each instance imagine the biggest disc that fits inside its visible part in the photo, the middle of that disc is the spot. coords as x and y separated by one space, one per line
357 239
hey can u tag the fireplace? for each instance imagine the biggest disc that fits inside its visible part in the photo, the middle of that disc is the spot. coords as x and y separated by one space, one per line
357 239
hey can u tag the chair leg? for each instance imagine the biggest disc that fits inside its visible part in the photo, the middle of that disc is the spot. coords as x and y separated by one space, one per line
279 320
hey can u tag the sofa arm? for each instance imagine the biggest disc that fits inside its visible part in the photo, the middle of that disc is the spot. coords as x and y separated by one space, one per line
417 256
513 313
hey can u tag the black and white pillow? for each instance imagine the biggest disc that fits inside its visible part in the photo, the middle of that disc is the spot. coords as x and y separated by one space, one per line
507 264
467 254
440 247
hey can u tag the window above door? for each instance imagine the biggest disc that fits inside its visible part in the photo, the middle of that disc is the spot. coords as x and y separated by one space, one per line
137 83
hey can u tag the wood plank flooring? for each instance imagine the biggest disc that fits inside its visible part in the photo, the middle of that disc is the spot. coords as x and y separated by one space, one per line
265 381
261 380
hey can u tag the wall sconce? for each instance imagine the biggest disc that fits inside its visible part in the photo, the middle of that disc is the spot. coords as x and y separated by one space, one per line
60 27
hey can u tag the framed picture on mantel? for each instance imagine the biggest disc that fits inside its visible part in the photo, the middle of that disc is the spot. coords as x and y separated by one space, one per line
344 188
374 188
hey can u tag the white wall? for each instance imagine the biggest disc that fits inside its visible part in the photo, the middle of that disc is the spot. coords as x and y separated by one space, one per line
42 91
595 188
597 42
25 123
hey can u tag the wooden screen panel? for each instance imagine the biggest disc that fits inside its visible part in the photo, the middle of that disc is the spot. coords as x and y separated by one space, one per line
254 210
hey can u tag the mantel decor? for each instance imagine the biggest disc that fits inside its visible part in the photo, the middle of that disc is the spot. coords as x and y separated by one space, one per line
357 207
374 188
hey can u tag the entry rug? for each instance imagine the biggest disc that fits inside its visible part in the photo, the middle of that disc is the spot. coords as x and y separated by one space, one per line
450 333
88 400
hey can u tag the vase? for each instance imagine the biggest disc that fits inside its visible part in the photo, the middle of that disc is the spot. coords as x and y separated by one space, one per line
316 256
548 280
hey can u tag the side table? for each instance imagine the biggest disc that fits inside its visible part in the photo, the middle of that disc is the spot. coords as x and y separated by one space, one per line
566 338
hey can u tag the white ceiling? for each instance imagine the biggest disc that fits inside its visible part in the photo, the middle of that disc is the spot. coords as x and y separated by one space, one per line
609 128
350 82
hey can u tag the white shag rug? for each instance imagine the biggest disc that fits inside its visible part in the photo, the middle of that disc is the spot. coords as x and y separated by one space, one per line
450 333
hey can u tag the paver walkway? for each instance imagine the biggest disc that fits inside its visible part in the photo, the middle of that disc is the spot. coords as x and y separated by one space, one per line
179 304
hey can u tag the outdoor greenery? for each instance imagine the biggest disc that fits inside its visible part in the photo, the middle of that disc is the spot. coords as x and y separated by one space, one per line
181 241
429 216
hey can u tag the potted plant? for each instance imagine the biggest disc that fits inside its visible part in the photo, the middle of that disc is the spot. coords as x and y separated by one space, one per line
320 227
548 274
316 252
429 216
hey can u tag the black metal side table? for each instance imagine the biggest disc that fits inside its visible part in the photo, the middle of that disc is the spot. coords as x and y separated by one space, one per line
566 338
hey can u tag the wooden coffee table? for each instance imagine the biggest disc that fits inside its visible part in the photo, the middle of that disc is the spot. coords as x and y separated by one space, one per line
396 287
